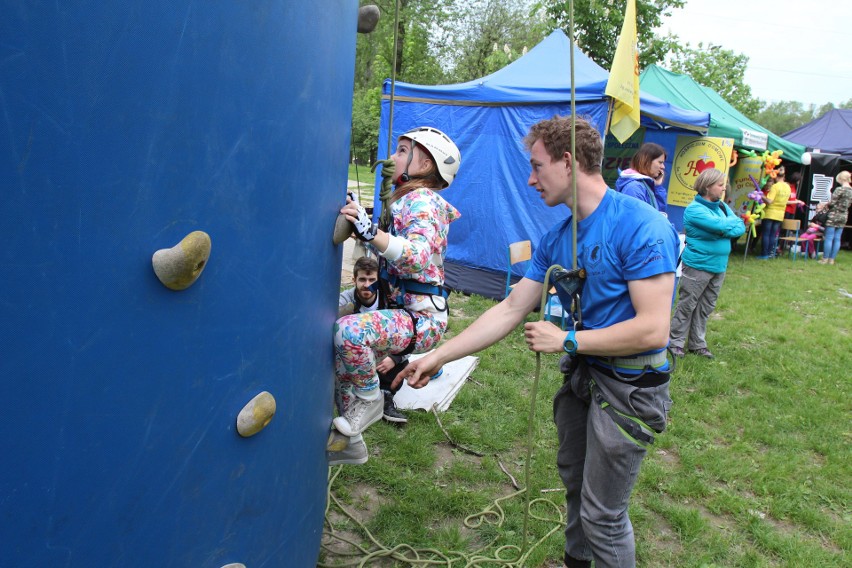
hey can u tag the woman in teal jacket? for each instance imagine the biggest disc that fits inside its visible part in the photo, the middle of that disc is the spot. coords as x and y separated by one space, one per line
710 225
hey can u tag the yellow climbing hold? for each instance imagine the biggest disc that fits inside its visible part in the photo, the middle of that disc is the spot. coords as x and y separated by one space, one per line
337 442
256 415
180 266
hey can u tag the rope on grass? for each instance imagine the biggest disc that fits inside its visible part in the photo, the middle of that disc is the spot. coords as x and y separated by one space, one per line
449 438
509 556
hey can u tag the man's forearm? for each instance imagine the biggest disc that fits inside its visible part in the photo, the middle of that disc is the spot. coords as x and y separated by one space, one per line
488 329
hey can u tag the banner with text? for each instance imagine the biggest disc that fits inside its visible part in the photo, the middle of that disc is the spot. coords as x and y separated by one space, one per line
617 155
692 156
741 184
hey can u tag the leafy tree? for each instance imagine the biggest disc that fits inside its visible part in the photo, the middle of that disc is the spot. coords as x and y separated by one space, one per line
784 116
597 25
416 62
487 35
720 69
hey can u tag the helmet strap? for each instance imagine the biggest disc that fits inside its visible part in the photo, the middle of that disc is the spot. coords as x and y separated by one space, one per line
405 177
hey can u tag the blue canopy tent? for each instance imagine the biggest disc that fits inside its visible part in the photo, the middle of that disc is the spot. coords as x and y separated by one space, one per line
831 133
488 118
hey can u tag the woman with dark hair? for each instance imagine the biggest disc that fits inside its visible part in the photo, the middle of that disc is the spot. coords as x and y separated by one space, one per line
710 225
644 178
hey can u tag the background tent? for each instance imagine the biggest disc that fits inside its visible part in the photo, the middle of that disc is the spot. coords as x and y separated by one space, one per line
725 120
488 118
831 133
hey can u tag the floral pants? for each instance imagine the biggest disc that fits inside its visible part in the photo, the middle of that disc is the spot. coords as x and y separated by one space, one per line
360 340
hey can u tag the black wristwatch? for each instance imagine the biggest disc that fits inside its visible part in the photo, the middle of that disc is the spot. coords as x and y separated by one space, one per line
570 344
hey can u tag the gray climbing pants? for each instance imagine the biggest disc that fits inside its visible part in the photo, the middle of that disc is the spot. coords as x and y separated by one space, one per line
599 463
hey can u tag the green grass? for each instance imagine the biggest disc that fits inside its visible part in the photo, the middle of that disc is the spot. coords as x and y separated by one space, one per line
753 471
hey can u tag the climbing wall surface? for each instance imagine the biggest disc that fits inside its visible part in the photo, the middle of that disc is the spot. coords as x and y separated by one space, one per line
126 127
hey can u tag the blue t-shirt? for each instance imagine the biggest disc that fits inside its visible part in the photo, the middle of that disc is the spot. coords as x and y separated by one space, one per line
623 239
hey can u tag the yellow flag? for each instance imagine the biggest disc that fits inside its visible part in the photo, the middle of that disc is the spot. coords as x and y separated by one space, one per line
623 83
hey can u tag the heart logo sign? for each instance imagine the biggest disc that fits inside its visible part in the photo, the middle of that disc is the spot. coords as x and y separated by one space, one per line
701 165
694 155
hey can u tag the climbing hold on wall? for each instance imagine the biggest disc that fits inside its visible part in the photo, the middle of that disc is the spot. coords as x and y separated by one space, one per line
368 17
256 415
235 565
343 228
337 442
180 266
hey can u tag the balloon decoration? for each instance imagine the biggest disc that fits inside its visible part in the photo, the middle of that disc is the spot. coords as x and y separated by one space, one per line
735 156
750 218
755 212
770 162
757 195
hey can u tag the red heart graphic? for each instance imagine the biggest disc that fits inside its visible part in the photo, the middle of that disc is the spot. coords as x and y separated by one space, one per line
701 165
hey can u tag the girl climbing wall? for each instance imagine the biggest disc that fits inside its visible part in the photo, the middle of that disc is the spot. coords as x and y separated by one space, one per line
412 250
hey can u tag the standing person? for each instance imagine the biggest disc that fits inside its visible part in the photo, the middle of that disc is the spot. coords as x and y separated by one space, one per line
838 208
413 249
710 225
364 297
770 225
644 178
616 390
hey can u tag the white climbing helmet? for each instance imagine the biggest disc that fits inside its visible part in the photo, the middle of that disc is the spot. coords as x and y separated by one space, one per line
443 150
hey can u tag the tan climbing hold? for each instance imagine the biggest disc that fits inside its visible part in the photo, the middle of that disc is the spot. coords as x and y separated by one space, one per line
235 565
343 228
180 266
337 442
256 415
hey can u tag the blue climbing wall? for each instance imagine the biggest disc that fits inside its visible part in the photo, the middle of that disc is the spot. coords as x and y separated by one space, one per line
127 125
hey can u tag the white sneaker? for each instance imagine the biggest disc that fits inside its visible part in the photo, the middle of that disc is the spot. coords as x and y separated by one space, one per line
360 414
355 453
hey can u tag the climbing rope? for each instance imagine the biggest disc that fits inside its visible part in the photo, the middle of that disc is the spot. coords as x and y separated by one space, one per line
388 168
387 164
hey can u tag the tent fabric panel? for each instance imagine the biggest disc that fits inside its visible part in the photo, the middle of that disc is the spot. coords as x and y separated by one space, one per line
725 120
830 133
473 280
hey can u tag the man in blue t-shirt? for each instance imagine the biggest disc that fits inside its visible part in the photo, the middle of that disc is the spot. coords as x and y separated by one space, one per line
615 396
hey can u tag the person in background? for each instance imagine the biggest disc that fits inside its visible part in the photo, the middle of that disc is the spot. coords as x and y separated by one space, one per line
364 297
838 208
615 395
776 203
710 225
644 178
793 202
816 229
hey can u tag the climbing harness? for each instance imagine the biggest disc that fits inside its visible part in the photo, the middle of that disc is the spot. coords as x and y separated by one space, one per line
629 425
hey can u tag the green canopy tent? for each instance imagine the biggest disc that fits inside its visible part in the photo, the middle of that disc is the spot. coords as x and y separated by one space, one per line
725 120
